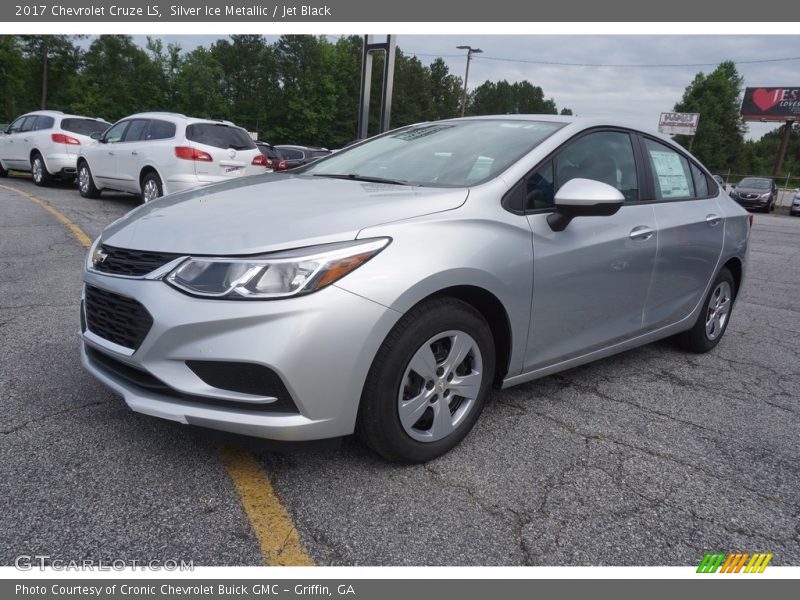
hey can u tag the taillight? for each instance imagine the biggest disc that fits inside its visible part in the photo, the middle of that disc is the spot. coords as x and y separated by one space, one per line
60 138
750 219
282 166
189 153
260 160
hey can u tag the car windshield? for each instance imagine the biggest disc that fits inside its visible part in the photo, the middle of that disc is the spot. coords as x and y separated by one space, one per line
756 184
220 135
443 154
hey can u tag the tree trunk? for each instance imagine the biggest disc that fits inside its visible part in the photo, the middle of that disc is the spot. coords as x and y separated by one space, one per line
45 52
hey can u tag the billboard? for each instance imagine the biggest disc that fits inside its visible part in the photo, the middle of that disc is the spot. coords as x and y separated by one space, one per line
673 123
771 103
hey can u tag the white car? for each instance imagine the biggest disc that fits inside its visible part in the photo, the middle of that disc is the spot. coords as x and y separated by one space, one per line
157 153
46 144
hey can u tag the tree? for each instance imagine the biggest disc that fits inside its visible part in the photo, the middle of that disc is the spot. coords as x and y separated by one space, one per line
12 77
510 98
51 58
719 142
445 91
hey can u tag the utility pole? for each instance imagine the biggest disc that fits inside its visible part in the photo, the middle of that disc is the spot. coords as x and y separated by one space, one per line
787 133
470 51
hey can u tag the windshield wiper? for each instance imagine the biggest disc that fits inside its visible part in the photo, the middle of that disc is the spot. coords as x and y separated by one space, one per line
357 177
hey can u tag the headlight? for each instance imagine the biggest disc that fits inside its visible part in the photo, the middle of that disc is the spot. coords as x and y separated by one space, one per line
278 275
764 196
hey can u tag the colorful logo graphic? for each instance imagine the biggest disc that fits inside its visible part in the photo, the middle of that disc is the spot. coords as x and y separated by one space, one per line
734 562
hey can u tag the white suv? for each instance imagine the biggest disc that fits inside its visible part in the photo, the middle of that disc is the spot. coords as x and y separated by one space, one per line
46 143
152 154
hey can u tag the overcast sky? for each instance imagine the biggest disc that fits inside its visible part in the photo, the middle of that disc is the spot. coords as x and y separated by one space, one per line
636 93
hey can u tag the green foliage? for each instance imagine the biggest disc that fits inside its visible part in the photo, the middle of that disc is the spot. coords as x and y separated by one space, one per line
301 89
719 142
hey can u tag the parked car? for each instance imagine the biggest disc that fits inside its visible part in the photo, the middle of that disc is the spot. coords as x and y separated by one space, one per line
46 144
756 193
301 155
275 160
794 210
387 288
152 154
721 182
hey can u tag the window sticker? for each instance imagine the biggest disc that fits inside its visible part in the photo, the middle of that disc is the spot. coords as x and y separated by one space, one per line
671 176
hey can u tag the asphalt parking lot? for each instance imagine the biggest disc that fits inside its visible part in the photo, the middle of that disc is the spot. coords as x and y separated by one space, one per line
652 457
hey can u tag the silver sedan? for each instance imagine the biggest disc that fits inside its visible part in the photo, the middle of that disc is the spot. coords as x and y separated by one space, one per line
386 289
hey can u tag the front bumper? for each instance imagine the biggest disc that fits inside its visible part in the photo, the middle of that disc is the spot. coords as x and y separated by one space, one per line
321 346
752 202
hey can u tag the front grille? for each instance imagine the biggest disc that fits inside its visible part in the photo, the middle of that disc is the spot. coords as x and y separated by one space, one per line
132 263
116 318
143 380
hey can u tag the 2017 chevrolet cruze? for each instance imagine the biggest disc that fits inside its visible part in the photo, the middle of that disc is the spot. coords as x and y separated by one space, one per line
387 288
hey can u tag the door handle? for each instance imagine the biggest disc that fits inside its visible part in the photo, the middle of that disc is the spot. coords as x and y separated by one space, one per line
641 233
134 153
24 139
111 153
713 220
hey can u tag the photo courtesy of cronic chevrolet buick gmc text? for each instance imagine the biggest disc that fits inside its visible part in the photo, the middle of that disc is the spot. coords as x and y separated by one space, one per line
46 144
387 288
152 154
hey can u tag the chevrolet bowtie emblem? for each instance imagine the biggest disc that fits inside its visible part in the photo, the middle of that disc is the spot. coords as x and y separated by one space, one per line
98 256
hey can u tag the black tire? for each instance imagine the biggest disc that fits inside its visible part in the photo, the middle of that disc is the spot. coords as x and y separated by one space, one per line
697 339
3 171
379 425
87 188
41 176
151 181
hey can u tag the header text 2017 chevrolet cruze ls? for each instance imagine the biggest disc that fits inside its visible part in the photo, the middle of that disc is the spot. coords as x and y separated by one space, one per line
387 288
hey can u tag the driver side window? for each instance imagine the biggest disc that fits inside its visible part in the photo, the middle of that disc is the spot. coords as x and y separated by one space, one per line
605 156
115 134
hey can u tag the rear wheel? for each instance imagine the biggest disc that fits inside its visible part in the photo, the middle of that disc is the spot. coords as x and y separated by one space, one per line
3 171
714 318
151 187
428 383
86 185
41 176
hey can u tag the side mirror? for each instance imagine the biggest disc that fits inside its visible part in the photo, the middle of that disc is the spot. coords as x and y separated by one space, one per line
584 198
96 135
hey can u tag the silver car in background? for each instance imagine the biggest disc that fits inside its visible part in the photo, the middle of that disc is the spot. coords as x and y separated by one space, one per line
387 288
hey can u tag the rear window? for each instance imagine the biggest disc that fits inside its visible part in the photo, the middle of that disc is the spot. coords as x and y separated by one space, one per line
270 152
160 130
219 135
84 126
43 122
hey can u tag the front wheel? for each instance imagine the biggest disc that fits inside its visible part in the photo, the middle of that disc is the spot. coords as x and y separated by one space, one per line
86 185
3 171
714 318
428 383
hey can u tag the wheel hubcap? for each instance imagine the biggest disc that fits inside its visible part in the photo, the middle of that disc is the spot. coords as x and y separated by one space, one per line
150 190
83 179
719 307
37 169
440 386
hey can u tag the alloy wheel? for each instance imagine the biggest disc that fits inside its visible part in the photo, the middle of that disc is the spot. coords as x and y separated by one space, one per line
719 307
83 179
150 191
37 169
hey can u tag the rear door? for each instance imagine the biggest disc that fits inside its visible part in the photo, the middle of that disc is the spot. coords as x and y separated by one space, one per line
590 280
690 233
231 150
130 154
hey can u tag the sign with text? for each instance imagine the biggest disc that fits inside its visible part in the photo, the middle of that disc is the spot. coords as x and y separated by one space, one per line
673 123
771 103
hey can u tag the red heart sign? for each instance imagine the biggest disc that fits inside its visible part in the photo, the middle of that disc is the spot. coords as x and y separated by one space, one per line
766 99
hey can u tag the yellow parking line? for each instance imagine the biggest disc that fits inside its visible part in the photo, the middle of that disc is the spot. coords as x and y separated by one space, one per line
272 524
82 238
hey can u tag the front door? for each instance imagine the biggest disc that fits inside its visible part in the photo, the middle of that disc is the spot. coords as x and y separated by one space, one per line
590 281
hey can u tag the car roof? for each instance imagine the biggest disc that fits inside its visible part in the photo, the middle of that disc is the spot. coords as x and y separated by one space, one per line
175 117
61 114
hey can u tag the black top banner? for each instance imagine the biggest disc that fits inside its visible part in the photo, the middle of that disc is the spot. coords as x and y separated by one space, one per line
334 11
771 103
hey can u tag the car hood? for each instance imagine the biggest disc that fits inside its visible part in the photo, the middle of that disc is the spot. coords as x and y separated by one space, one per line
745 190
264 213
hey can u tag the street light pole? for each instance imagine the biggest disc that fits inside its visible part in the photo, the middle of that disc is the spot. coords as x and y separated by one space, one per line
470 51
